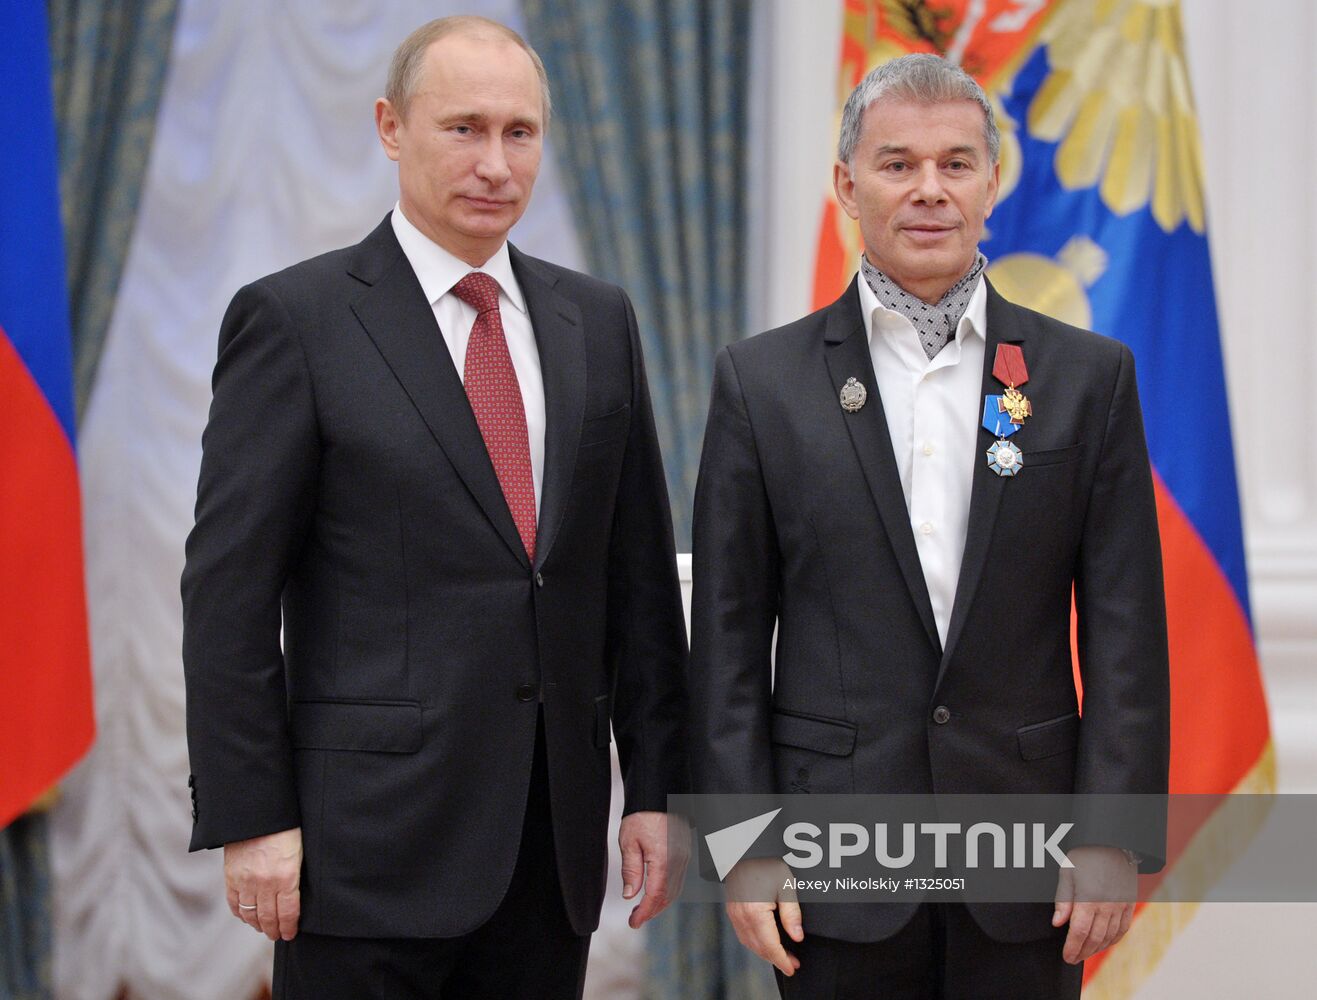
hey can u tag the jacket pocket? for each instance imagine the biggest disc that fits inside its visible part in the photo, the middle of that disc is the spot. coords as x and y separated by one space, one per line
1047 739
830 736
379 726
605 427
602 733
1052 456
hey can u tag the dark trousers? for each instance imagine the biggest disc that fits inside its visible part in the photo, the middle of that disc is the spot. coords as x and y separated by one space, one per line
527 949
941 954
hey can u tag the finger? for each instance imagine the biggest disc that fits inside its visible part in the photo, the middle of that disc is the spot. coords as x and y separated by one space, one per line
633 868
290 910
765 941
244 900
1126 918
788 911
1081 922
754 926
1065 896
656 898
768 943
231 894
267 913
650 906
1097 935
741 923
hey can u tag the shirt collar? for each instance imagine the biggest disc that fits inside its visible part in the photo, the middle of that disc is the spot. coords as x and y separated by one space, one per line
974 321
438 270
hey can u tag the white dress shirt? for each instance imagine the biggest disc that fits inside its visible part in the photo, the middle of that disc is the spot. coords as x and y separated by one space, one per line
933 410
438 271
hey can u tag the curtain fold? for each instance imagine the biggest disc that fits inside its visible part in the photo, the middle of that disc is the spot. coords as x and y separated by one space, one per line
108 66
693 954
650 121
24 927
651 118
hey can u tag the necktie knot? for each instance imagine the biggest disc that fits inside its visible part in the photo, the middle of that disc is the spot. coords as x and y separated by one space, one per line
479 291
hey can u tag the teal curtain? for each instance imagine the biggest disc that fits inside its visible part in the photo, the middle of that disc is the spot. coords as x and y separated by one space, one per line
25 972
692 954
650 124
650 121
108 63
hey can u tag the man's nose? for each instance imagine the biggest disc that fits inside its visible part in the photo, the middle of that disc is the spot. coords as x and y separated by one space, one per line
493 163
928 187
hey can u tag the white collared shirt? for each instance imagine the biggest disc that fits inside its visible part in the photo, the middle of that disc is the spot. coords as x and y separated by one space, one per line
438 271
933 413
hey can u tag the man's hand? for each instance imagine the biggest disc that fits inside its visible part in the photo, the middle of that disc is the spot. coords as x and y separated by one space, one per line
648 861
755 890
262 877
1097 897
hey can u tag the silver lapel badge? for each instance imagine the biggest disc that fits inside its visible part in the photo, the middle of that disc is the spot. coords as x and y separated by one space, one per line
853 396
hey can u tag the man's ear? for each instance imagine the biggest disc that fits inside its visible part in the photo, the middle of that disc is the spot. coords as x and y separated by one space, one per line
387 123
994 185
843 183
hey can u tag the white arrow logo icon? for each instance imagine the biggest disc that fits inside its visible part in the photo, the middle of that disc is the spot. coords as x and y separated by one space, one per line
728 845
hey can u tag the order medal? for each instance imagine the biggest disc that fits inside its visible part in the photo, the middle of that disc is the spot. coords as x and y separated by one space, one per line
853 396
1003 415
1005 459
1009 369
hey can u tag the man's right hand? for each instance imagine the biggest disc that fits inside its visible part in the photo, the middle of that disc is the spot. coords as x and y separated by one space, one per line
755 890
262 876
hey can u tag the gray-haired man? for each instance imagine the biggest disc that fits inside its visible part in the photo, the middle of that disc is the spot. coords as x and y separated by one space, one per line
849 496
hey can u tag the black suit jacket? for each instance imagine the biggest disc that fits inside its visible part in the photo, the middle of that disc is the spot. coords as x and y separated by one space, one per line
801 521
344 478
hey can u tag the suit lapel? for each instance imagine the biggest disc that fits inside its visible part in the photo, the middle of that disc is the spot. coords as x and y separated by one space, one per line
561 341
986 487
847 353
400 321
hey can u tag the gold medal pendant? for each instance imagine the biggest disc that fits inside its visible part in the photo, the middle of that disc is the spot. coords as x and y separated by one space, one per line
1015 403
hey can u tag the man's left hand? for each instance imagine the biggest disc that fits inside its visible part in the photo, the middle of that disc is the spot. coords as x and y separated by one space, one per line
647 862
1097 897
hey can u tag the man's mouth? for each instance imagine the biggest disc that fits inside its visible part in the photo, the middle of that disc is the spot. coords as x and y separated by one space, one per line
928 232
489 204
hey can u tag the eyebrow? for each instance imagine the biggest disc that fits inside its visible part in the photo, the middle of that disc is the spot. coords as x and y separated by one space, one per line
477 118
890 150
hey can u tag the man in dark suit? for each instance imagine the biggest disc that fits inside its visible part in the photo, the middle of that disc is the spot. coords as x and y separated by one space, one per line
437 457
919 567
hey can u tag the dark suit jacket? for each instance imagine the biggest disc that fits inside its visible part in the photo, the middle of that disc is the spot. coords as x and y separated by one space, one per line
345 478
800 520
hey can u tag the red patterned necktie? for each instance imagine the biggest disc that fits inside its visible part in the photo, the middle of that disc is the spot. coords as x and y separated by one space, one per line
495 395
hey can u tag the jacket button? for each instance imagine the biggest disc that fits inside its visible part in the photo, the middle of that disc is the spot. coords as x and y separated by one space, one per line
539 579
942 715
526 692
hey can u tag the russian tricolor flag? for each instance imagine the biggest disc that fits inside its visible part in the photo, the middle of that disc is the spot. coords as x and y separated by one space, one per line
46 720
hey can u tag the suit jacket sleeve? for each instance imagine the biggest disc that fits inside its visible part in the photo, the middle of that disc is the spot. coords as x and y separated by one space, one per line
646 632
734 608
255 498
1124 744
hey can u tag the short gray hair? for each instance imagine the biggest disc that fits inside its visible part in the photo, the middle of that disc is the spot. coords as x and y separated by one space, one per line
409 59
921 77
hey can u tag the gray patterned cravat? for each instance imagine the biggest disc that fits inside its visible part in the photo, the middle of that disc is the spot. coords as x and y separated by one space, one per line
936 325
